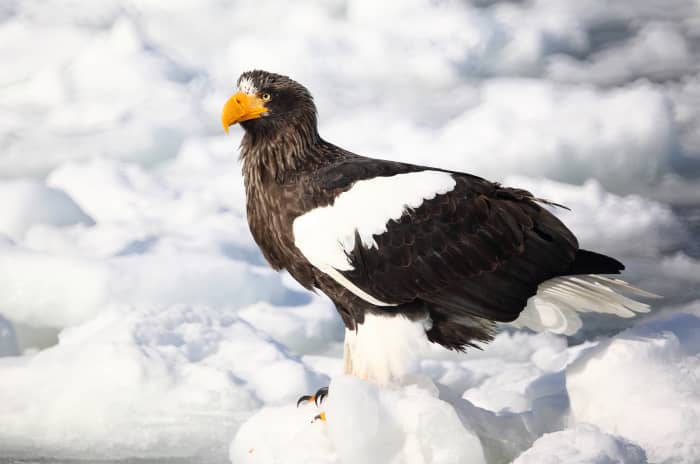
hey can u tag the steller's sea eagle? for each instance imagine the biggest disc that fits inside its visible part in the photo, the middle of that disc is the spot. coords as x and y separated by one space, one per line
406 253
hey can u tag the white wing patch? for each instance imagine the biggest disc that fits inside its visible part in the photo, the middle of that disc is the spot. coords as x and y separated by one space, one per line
558 301
340 278
326 235
247 86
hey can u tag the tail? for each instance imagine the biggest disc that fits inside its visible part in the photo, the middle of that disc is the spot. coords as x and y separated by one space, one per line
558 301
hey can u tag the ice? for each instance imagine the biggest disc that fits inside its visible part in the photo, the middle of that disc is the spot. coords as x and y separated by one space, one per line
112 191
8 339
364 424
60 291
643 385
514 116
25 203
415 422
658 52
311 328
582 444
65 267
172 78
55 291
111 95
282 433
156 382
139 320
515 372
607 384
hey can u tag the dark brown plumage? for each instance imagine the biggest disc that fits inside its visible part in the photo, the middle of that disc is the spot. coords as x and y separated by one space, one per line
465 258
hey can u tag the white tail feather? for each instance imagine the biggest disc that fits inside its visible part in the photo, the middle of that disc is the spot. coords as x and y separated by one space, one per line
558 301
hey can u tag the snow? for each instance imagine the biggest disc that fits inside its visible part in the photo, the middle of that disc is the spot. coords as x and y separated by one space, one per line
64 290
179 380
650 368
138 319
514 115
582 444
27 203
8 339
364 424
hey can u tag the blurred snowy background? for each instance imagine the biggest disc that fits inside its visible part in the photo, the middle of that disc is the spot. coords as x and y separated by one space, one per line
138 320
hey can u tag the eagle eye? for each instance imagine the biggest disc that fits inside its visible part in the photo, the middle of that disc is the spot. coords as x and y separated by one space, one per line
266 97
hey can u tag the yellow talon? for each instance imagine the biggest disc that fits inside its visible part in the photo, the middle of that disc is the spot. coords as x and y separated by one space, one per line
321 416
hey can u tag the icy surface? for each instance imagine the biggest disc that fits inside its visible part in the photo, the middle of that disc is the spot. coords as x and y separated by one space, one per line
8 339
653 370
167 382
28 203
138 319
582 444
364 424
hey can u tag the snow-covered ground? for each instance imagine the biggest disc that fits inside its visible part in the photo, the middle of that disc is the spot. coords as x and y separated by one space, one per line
138 320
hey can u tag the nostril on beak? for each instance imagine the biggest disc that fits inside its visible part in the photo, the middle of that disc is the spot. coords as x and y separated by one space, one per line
238 100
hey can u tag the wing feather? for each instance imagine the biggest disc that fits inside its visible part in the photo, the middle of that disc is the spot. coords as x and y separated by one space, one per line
477 250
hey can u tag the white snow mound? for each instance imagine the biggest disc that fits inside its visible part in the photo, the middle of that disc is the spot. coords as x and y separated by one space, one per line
582 444
25 203
643 385
152 382
364 424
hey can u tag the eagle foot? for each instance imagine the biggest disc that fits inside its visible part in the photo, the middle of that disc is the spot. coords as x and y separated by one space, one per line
317 398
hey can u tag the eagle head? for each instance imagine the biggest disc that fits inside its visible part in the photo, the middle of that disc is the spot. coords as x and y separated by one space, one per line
266 102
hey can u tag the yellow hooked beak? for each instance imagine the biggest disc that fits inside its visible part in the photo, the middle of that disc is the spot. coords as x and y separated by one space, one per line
241 107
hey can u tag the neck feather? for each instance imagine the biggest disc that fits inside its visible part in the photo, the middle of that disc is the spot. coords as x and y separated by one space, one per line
277 155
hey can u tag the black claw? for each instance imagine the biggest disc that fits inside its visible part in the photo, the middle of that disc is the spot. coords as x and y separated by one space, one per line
304 399
320 395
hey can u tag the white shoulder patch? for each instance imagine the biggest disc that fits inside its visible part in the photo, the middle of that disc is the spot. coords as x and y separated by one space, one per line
247 86
325 235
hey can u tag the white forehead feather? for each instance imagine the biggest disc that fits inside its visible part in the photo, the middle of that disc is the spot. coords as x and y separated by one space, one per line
246 85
